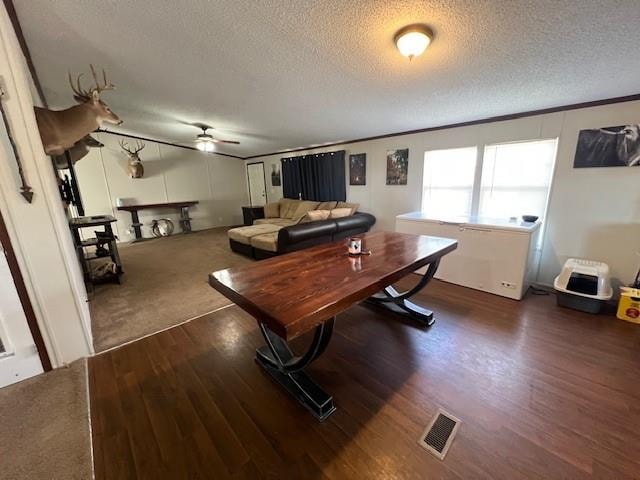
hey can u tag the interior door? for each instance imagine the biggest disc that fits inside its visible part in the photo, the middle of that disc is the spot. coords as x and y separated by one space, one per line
257 186
18 353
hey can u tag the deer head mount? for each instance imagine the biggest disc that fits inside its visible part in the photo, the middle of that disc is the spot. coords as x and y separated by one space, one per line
61 129
136 169
78 151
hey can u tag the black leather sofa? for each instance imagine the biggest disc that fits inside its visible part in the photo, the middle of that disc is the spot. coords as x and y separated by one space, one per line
305 235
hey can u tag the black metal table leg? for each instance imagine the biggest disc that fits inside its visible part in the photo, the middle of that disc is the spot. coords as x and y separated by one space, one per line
287 369
185 220
398 302
135 223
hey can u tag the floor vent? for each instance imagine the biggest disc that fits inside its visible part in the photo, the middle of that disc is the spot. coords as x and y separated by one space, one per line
439 434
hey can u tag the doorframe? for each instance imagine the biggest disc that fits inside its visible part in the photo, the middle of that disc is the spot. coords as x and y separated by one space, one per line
264 176
23 295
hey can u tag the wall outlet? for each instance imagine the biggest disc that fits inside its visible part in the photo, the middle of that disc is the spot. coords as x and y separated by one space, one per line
508 285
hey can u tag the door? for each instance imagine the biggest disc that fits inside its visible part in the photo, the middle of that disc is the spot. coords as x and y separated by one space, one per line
257 185
19 357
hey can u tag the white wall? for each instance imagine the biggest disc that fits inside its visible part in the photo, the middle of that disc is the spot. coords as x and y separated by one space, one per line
39 231
171 174
593 213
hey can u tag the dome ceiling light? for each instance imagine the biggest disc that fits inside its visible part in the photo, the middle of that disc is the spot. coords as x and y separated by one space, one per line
413 40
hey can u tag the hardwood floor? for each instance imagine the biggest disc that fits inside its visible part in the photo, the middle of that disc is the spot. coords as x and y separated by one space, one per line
542 392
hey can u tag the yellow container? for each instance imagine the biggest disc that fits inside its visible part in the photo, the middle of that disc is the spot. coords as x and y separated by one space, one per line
629 305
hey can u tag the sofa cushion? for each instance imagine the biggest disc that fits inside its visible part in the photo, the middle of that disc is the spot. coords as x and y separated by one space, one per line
352 206
315 215
327 205
304 206
288 207
266 241
282 222
340 212
272 210
244 234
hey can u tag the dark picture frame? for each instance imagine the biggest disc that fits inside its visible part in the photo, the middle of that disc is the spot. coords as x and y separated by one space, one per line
358 169
397 166
276 179
617 146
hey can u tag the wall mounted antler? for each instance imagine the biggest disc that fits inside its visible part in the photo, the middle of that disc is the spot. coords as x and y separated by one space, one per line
61 129
136 169
81 95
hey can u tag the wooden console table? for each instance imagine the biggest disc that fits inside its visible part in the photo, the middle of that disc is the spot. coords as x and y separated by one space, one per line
185 220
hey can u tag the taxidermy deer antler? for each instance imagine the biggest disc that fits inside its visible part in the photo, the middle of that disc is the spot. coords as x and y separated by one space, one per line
136 169
82 95
61 129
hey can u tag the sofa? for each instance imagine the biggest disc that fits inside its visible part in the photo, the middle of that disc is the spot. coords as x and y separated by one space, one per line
290 225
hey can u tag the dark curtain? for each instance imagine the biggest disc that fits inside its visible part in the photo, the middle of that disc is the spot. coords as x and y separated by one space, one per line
291 178
319 177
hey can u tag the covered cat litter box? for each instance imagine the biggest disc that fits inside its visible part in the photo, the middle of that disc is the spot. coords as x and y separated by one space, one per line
583 285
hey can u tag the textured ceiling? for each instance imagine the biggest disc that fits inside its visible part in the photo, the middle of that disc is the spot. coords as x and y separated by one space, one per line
278 74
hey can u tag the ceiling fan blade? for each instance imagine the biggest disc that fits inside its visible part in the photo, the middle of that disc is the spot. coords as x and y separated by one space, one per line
215 140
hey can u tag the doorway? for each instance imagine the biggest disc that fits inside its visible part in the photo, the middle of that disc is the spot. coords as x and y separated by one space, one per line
257 184
19 357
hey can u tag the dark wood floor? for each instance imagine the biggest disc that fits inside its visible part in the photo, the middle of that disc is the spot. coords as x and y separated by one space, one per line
542 392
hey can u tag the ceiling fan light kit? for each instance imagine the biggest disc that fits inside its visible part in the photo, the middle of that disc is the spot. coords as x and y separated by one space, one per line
206 142
413 40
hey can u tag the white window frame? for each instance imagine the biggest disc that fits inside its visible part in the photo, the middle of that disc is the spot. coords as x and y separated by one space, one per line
475 196
477 180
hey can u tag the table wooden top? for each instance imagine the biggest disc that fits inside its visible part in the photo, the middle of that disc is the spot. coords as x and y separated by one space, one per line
82 222
294 293
129 208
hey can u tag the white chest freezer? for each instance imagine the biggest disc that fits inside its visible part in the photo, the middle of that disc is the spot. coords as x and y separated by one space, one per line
493 255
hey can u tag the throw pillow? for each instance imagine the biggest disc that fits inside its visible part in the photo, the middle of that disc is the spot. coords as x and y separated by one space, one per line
327 205
352 206
340 212
316 215
302 208
272 210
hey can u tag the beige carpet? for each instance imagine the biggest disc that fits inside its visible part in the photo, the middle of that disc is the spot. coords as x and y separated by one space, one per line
44 429
165 283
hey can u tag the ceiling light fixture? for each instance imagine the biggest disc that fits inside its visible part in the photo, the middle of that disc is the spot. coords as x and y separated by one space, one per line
205 142
413 40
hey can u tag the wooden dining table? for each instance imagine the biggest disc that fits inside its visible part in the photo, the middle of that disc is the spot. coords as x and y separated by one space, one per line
303 291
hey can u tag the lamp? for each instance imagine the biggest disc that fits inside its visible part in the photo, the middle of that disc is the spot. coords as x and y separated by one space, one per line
205 142
413 40
205 146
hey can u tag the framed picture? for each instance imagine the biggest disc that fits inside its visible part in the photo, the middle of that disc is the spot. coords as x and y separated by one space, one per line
608 147
275 175
397 166
358 169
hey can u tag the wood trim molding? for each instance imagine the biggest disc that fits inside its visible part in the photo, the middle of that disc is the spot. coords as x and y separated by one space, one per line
13 16
162 142
500 118
23 295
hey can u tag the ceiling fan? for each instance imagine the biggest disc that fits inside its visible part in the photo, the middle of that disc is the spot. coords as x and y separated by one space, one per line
205 142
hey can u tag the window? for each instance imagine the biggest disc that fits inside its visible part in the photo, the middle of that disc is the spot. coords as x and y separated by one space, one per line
447 189
516 178
509 180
